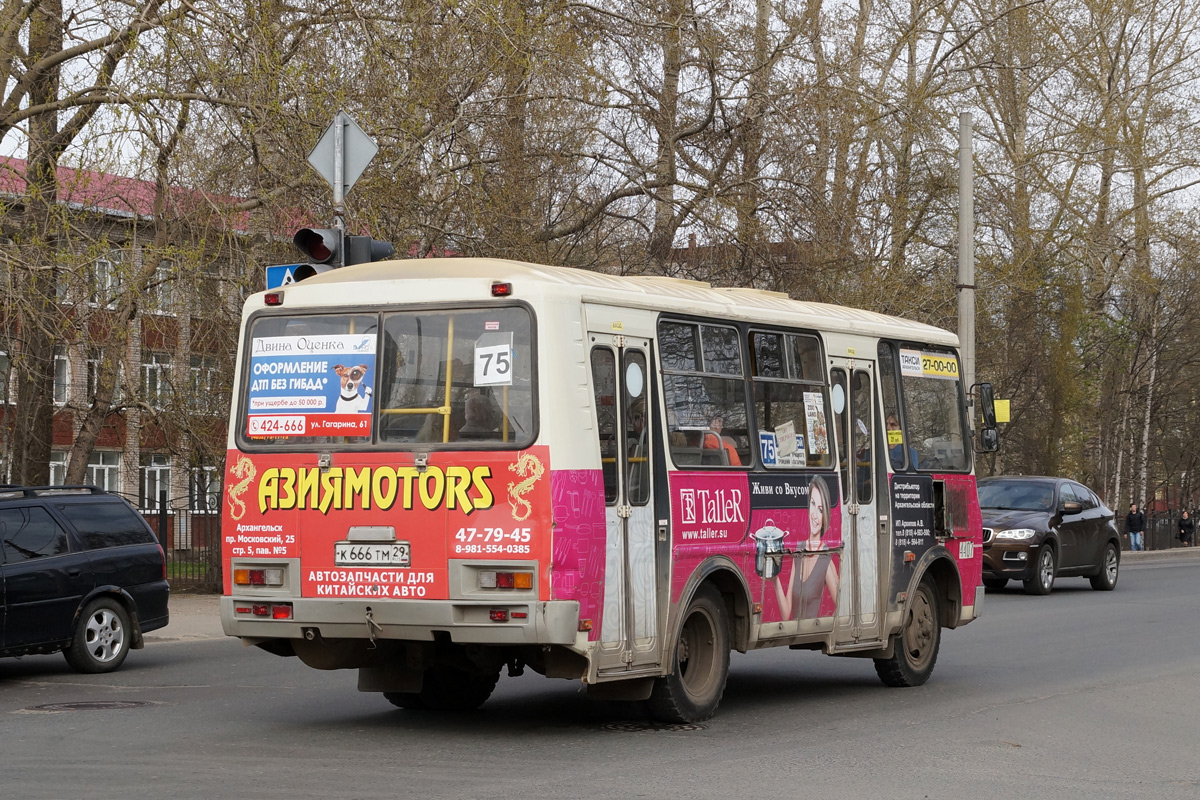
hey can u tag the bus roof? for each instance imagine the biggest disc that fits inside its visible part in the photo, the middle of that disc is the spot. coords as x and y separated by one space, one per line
643 291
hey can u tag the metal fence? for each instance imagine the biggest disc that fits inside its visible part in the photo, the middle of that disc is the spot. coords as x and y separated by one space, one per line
192 543
1162 531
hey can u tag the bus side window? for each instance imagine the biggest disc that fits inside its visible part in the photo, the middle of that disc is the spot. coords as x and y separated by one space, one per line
604 383
790 398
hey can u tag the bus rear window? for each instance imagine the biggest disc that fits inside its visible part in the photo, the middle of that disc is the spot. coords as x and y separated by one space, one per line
310 379
457 377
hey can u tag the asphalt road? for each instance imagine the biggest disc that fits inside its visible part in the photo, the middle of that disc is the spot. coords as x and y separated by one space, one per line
1079 694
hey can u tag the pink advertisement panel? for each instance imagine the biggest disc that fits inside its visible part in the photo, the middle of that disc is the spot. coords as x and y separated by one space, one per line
782 531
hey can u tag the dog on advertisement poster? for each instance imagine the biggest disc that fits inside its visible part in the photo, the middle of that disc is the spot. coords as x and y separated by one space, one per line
352 400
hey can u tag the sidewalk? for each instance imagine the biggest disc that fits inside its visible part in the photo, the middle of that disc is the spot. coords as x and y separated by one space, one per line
1180 554
193 617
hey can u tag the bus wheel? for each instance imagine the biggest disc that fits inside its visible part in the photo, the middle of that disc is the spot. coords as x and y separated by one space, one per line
410 700
916 647
448 688
700 658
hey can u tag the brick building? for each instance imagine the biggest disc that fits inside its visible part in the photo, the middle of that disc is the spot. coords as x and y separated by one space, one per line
167 428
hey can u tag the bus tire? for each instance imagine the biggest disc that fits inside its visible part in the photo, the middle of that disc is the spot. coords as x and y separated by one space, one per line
409 700
915 649
700 663
446 687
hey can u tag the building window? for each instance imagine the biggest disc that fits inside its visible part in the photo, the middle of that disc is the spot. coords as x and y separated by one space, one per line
5 375
156 478
104 470
204 380
95 359
204 489
62 375
210 288
94 356
104 281
58 467
156 379
159 292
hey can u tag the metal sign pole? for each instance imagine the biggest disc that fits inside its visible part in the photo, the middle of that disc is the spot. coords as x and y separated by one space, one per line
966 253
339 171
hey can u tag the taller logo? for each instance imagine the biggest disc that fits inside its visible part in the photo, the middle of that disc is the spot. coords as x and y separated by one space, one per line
687 506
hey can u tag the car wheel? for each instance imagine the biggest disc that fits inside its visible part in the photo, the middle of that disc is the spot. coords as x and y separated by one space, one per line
693 689
995 583
1106 579
1043 574
101 639
915 650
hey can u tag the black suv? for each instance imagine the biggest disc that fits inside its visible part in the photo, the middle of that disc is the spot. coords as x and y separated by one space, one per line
80 572
1036 529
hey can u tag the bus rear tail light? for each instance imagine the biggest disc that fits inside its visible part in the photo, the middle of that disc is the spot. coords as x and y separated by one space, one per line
501 289
498 614
258 577
505 580
273 610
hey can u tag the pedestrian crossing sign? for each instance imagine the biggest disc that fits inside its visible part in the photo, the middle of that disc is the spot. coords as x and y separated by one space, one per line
281 275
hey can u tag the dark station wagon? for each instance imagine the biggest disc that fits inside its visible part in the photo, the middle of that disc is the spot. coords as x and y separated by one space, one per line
80 572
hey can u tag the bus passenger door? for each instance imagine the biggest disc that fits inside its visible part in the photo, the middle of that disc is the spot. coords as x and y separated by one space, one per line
858 616
628 628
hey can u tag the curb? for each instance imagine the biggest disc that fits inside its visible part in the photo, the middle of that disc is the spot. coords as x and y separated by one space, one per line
1181 554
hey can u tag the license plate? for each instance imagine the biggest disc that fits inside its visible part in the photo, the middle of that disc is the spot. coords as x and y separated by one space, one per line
371 554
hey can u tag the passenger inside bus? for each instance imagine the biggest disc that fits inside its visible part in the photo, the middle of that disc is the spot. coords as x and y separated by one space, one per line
481 417
713 439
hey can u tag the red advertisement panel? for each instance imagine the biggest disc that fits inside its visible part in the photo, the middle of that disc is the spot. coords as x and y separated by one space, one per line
376 525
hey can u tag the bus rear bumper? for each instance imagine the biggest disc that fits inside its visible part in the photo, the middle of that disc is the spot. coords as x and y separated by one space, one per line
552 622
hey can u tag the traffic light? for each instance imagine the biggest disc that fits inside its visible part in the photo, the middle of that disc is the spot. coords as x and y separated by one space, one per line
364 249
329 248
323 246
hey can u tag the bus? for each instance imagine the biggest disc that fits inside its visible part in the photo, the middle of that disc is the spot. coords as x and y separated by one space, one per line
440 470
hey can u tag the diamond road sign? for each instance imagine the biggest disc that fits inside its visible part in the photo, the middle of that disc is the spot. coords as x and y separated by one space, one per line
358 147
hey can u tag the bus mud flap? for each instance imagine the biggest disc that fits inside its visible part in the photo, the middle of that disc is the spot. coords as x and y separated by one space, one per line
631 690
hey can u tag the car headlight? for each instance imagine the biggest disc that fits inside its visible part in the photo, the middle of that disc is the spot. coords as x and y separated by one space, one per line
1017 533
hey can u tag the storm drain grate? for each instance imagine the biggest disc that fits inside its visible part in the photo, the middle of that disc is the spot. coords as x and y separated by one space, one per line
91 705
651 727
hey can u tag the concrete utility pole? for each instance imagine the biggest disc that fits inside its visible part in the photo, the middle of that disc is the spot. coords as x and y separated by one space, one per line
966 251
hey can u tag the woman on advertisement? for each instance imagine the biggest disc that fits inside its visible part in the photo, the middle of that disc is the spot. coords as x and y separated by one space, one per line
817 571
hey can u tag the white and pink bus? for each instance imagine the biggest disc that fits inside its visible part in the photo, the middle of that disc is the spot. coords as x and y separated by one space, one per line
441 469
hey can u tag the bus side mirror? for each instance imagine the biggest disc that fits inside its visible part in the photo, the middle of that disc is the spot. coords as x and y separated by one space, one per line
987 403
989 440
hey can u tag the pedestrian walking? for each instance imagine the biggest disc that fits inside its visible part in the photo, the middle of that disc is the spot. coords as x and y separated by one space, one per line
1135 527
1187 529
